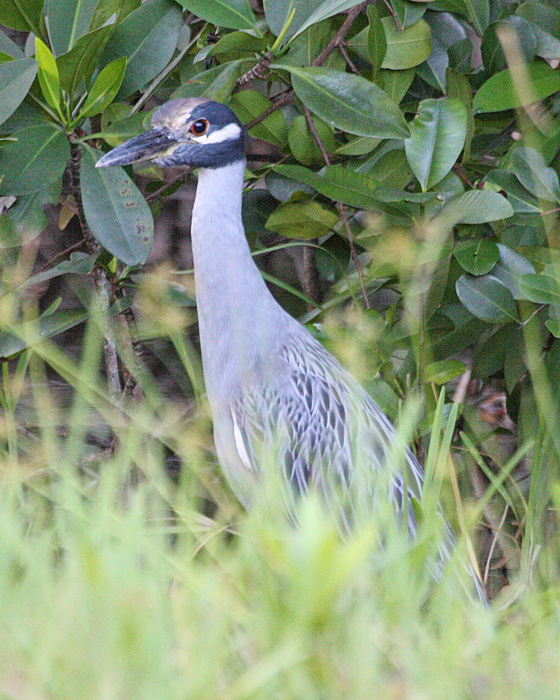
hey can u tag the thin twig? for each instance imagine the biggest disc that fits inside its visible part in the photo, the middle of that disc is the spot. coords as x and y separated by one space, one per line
62 254
102 284
339 37
336 41
349 61
286 97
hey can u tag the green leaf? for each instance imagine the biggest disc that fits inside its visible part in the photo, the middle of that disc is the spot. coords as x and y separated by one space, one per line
302 220
486 298
477 256
500 92
326 9
510 268
250 104
443 371
25 220
437 136
348 102
460 90
406 48
16 77
540 289
48 75
104 89
7 46
216 84
336 182
522 201
148 38
474 207
234 14
376 40
532 172
116 211
81 61
77 264
397 82
479 11
30 333
25 15
37 159
303 144
68 21
545 22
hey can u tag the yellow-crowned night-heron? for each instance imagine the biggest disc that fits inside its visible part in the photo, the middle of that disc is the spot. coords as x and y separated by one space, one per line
274 391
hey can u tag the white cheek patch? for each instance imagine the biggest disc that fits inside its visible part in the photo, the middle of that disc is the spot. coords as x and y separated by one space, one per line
227 133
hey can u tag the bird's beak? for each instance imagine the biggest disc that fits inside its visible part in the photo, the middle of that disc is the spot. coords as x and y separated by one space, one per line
148 146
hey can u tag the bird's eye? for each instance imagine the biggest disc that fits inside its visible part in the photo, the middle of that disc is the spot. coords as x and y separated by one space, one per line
199 127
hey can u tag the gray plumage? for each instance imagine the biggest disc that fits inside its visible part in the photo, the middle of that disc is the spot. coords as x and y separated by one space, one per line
275 393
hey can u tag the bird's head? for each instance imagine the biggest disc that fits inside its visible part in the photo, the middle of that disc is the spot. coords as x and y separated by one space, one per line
192 131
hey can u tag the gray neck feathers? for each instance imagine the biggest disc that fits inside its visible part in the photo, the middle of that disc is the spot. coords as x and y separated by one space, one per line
238 317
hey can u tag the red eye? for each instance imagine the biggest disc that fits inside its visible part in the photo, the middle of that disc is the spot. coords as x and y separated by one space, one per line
199 127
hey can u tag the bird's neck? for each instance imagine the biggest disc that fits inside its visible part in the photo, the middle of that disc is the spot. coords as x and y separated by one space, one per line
236 311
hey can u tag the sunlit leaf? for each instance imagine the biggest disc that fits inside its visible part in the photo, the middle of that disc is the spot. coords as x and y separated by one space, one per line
348 102
437 136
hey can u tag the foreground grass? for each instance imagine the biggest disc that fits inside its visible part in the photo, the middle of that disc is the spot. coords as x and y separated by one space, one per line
115 589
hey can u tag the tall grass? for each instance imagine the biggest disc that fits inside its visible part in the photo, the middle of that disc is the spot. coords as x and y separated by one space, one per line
117 581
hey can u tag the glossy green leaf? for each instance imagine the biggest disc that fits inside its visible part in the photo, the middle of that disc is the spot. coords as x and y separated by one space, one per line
234 14
406 48
486 298
532 172
250 104
68 21
479 12
475 207
510 269
30 333
38 158
396 83
147 38
326 9
116 211
500 92
348 102
48 74
460 90
376 40
24 15
9 47
522 201
217 83
336 182
437 136
545 23
81 61
540 289
407 12
105 88
303 144
477 256
302 220
16 77
443 371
